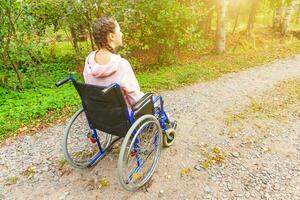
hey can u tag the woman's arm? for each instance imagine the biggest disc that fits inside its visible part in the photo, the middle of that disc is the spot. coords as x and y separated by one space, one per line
130 85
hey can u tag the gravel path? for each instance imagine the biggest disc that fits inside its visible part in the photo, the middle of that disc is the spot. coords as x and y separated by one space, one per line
268 168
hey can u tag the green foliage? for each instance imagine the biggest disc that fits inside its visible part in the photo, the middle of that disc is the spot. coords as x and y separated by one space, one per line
19 108
20 43
166 26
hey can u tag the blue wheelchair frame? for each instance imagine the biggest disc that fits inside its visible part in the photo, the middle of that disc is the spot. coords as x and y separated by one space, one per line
160 114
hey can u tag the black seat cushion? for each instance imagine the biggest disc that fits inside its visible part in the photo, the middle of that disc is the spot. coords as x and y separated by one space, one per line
144 106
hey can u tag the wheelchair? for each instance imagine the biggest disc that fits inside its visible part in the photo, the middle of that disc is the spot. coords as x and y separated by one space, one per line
89 134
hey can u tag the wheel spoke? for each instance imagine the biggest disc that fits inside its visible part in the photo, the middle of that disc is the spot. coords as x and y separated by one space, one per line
80 146
144 137
141 165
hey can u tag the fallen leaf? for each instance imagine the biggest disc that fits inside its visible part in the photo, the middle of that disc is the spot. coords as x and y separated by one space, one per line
184 171
103 183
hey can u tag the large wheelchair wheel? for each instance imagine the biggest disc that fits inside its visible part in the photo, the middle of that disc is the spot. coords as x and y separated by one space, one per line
140 152
80 146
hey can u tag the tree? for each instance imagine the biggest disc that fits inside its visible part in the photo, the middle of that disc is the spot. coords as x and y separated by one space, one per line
221 26
22 25
287 18
8 32
298 14
251 20
73 20
237 16
207 20
277 14
283 14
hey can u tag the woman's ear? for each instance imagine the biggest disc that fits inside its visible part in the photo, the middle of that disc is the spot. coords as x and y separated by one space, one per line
111 37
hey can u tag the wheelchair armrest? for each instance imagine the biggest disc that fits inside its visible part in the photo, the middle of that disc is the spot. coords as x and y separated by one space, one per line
108 88
142 101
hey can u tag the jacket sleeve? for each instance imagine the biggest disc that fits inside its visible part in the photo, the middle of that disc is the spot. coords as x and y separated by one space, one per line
130 85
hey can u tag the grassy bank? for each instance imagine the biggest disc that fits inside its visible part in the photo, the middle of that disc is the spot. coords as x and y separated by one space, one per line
44 104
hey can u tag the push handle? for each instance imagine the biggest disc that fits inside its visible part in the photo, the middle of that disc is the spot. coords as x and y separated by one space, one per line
61 82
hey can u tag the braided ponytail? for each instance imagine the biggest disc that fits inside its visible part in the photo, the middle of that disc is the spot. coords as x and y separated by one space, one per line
102 27
109 48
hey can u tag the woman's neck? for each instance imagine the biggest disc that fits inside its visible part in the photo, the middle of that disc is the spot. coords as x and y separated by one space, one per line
102 56
103 51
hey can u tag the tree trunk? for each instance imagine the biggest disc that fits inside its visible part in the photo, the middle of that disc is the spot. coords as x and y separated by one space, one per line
252 15
208 18
74 38
298 14
277 18
278 15
237 17
287 19
15 68
12 63
11 35
11 23
88 18
221 26
91 38
207 24
235 23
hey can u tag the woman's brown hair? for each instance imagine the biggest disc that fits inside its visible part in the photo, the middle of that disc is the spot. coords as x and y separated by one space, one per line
102 27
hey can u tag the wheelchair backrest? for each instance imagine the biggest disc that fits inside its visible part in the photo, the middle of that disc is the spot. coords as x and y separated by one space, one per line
106 112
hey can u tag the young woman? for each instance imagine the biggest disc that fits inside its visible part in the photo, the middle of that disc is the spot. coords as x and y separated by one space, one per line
104 66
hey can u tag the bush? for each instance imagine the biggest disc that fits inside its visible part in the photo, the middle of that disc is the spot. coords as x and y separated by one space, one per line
166 26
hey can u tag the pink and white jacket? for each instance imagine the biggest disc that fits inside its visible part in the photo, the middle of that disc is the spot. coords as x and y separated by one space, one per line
117 70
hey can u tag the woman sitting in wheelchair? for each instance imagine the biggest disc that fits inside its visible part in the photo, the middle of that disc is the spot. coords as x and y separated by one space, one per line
138 118
104 67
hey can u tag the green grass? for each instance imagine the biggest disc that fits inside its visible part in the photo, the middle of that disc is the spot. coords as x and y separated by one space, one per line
65 48
42 103
27 108
39 103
